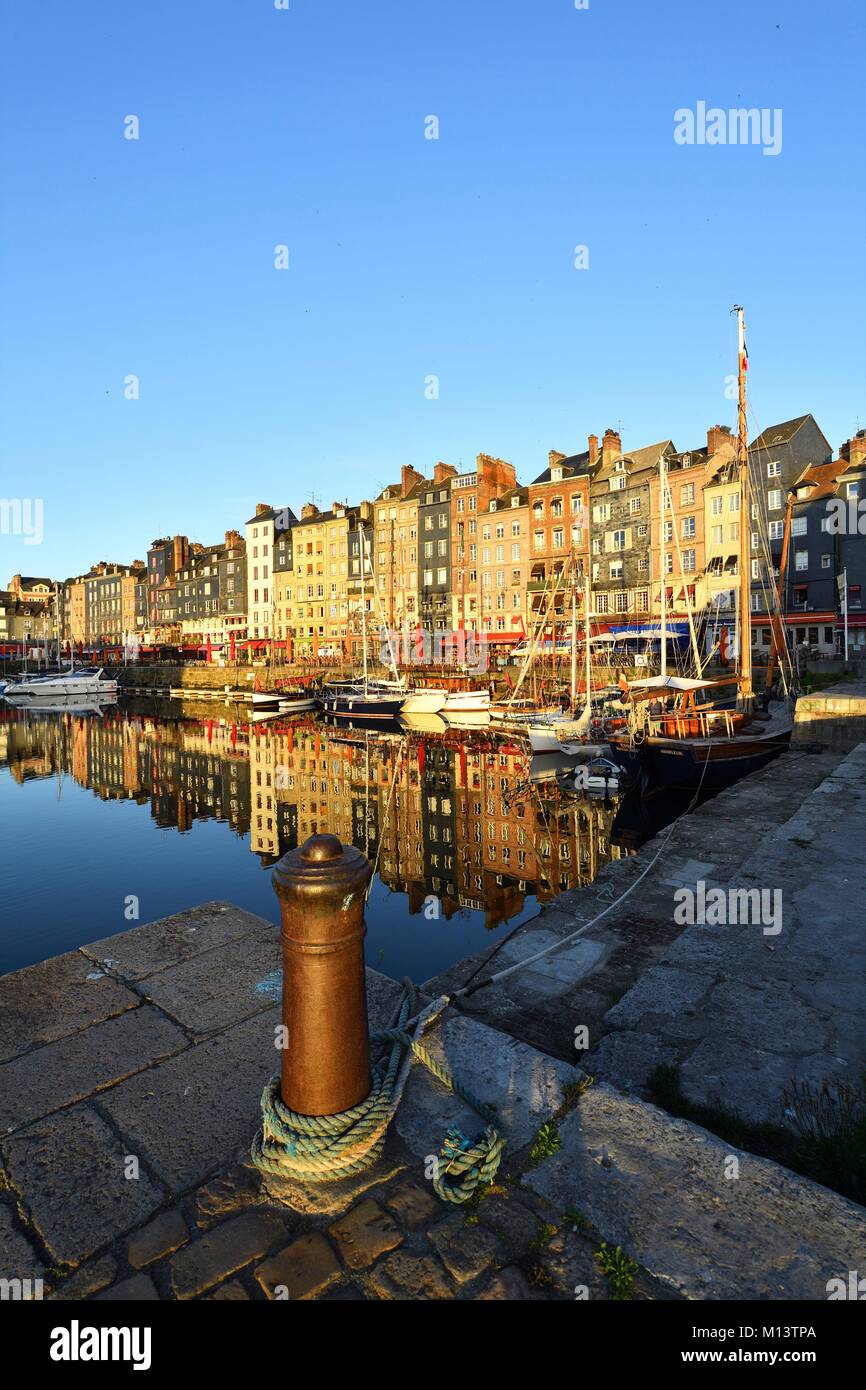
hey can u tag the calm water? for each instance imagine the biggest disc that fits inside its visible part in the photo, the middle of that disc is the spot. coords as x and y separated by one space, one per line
179 810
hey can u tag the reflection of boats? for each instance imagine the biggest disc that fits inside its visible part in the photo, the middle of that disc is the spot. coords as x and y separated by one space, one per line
423 723
597 775
296 701
83 704
61 687
468 719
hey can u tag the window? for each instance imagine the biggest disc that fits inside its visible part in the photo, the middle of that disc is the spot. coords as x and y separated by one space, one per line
689 557
775 531
734 502
825 561
801 559
616 569
688 528
617 484
668 531
717 535
687 494
774 470
718 506
617 540
621 602
799 526
634 505
558 535
774 499
756 569
538 540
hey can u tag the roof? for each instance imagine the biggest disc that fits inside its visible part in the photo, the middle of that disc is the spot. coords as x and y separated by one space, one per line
821 478
777 435
29 579
271 514
640 460
572 465
505 499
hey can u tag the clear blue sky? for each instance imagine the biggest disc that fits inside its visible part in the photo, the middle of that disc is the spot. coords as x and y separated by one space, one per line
408 257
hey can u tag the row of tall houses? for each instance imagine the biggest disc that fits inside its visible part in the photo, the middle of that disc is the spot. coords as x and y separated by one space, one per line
478 552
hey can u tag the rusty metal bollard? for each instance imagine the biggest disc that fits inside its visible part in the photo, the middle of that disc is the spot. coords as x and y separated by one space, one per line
325 1064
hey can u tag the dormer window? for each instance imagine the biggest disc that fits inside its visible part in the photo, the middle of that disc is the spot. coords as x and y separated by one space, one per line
493 505
556 475
515 501
619 466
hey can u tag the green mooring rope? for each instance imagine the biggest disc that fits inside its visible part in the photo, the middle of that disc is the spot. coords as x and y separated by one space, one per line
315 1149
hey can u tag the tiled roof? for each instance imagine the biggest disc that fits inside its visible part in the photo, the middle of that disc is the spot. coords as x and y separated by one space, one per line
778 435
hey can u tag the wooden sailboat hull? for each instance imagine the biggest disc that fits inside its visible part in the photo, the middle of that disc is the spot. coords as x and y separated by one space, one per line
711 764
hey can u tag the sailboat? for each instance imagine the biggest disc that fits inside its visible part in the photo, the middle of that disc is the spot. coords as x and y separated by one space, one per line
364 699
560 731
672 738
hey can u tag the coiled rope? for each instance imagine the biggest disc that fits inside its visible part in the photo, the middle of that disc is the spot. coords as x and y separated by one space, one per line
317 1149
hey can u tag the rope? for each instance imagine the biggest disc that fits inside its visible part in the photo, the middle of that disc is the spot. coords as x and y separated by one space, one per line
315 1149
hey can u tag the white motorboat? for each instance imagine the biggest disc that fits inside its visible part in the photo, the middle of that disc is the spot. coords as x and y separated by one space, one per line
422 700
60 687
462 702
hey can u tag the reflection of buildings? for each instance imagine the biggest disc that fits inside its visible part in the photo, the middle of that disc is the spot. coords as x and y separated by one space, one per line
455 821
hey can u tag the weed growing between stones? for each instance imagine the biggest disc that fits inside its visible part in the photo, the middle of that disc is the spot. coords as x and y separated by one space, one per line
618 1269
545 1144
543 1236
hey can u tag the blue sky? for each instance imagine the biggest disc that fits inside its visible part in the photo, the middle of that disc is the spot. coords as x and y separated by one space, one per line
408 257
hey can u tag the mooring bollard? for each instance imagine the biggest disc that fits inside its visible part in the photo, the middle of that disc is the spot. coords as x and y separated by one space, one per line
325 1062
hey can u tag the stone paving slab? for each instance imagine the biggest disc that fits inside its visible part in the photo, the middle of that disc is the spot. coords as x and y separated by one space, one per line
219 987
658 1188
72 1068
194 1109
56 998
750 1008
146 950
18 1258
525 1086
70 1172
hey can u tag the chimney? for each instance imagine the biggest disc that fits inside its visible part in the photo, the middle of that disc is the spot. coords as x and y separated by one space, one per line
856 448
593 450
262 507
232 539
611 446
554 456
409 477
309 509
720 440
443 471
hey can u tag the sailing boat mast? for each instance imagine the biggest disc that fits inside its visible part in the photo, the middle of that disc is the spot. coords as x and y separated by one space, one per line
743 473
663 487
363 613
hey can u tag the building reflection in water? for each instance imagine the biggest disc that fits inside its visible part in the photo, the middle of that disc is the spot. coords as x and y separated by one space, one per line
452 817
